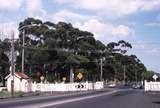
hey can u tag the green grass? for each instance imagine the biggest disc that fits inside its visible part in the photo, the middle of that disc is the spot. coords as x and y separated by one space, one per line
5 94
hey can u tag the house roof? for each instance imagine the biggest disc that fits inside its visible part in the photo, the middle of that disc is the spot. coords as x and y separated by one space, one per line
19 75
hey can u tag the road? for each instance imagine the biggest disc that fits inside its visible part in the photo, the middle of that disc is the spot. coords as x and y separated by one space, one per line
118 98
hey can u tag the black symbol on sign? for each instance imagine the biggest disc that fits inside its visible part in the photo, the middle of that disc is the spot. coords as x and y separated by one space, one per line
80 86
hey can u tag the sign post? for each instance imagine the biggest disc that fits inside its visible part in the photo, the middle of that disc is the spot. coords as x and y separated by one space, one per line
80 76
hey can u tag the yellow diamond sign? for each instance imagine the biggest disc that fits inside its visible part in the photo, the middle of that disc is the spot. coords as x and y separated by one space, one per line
64 78
79 76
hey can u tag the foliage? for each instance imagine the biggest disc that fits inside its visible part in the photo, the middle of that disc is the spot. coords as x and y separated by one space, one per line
4 60
53 50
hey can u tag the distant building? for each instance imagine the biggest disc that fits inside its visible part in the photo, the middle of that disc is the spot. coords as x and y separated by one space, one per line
21 82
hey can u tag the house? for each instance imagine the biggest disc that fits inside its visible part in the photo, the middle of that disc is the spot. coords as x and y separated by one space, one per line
21 82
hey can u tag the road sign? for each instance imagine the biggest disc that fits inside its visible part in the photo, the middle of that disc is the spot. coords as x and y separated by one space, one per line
64 78
79 76
42 78
155 77
79 86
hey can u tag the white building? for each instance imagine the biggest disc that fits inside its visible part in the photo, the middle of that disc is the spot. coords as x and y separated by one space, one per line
21 82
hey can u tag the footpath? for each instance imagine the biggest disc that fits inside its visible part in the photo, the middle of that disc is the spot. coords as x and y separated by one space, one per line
7 96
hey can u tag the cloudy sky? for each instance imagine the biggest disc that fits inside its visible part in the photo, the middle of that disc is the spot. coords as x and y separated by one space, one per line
136 21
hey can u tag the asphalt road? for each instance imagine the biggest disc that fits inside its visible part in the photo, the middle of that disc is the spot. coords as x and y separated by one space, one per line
124 98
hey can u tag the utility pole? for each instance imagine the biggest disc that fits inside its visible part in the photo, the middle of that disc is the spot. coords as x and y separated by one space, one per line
71 75
23 43
12 65
23 52
124 75
136 76
101 77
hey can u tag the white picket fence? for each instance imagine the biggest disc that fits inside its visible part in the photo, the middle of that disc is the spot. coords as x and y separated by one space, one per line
152 86
65 87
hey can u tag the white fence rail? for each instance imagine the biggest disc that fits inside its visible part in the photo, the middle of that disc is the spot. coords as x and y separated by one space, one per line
152 86
66 87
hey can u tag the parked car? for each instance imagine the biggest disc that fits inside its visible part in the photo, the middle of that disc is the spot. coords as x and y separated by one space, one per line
137 86
112 85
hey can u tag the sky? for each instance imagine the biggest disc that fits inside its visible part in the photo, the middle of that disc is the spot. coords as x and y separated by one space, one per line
135 21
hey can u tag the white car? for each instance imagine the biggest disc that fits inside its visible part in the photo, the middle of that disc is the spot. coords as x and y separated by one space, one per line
112 85
136 86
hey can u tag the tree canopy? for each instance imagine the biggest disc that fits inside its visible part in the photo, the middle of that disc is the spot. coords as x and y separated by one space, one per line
53 50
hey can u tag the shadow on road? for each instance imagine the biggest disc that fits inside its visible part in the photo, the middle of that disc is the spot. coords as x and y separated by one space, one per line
156 102
124 93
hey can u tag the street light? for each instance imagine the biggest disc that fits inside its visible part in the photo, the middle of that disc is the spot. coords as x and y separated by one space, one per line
23 41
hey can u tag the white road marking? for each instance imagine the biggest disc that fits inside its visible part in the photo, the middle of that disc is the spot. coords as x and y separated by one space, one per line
77 99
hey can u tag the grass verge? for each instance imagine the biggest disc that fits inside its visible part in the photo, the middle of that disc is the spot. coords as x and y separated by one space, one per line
6 94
